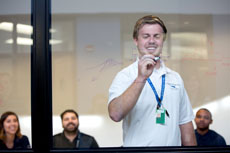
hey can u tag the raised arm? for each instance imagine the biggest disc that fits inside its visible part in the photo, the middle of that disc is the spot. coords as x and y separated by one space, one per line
188 137
120 106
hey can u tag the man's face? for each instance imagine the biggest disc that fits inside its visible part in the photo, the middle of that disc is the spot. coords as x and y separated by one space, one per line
203 119
70 122
150 40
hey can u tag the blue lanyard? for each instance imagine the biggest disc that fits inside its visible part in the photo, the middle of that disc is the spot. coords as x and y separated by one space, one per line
159 99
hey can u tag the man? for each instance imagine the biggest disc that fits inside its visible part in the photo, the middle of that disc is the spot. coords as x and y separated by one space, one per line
149 97
71 137
205 136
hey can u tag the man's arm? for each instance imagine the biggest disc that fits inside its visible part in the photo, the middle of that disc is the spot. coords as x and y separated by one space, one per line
187 134
120 106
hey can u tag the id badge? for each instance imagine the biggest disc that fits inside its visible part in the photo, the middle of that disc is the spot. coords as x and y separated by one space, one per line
160 119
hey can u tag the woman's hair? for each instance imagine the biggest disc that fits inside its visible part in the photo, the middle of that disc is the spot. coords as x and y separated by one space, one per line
149 19
2 119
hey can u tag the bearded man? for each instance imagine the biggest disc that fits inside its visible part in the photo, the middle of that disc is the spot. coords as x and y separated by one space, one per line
71 137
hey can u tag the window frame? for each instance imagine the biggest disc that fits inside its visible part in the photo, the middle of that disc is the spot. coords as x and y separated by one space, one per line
41 92
41 76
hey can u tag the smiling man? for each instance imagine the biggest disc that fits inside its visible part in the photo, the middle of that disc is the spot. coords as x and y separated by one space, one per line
149 97
71 137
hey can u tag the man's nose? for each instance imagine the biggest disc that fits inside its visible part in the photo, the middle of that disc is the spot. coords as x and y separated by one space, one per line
151 39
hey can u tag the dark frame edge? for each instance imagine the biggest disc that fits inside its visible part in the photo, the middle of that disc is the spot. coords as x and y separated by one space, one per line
41 76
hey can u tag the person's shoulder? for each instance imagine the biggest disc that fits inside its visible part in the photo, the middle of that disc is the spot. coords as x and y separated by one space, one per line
22 142
24 137
127 73
21 139
174 76
57 135
86 135
219 138
88 141
130 68
172 72
212 132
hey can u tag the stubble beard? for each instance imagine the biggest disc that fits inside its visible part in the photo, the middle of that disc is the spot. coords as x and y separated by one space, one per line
71 131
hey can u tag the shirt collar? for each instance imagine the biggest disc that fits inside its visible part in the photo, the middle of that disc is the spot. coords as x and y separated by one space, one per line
75 139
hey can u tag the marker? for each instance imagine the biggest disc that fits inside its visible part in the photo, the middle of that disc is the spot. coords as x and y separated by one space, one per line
156 58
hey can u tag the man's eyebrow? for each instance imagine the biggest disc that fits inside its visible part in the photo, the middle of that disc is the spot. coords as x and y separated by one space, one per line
145 34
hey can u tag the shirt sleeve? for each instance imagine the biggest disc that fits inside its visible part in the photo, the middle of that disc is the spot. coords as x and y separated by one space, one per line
120 83
186 112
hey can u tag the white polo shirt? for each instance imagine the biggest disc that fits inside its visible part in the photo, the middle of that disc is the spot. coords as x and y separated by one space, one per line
139 125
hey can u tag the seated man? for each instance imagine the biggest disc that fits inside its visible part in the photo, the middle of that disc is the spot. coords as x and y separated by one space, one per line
205 136
71 137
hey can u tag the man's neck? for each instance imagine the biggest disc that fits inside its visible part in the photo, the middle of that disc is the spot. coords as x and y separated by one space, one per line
202 132
71 135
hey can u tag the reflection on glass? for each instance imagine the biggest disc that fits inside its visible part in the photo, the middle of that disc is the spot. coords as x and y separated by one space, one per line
94 45
188 45
15 45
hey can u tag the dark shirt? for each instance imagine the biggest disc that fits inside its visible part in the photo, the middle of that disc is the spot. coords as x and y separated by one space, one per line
81 141
211 138
19 143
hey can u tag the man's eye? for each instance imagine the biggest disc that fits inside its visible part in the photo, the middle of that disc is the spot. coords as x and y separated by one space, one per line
145 36
157 36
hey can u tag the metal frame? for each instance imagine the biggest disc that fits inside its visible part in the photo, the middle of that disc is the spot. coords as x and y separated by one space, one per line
41 77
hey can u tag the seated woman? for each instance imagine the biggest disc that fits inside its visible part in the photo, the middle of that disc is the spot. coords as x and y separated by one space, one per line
10 134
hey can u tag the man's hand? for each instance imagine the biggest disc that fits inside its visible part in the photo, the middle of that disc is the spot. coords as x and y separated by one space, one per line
146 65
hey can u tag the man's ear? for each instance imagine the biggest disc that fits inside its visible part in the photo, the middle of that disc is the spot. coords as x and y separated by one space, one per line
211 121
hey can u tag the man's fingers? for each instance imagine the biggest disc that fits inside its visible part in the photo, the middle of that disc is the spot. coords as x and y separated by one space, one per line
150 58
147 61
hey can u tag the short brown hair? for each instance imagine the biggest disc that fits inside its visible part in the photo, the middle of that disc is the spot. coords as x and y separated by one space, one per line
3 118
149 19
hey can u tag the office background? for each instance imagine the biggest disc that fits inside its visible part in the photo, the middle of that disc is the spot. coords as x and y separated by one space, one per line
92 40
